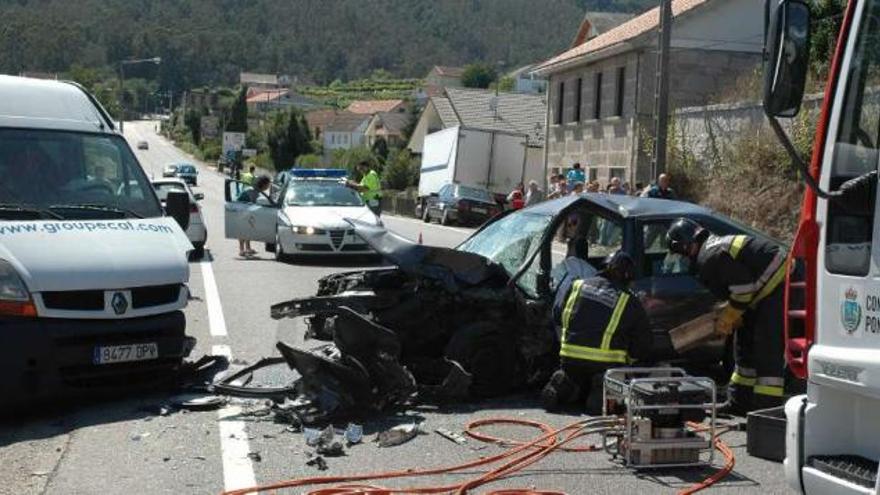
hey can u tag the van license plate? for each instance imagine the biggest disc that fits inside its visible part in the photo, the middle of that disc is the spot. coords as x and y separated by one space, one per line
126 353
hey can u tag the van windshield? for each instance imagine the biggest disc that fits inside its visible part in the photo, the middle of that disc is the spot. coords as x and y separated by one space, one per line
71 175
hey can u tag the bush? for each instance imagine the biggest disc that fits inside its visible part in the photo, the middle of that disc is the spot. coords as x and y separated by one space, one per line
210 150
401 170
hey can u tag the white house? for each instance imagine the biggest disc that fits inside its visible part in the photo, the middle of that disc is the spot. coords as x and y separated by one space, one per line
345 131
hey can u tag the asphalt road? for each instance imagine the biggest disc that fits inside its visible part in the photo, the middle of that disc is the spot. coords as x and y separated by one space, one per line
123 446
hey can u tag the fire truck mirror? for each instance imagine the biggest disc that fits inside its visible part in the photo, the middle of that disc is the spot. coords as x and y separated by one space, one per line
787 57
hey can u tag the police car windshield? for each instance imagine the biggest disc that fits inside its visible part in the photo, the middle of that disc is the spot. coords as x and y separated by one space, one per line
76 175
321 193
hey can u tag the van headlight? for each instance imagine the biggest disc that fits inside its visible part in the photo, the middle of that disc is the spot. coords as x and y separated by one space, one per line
15 298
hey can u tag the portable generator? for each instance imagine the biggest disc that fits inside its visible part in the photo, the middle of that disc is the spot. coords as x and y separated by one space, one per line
657 404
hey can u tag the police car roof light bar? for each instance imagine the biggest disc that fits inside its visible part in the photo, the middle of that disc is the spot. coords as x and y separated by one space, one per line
318 173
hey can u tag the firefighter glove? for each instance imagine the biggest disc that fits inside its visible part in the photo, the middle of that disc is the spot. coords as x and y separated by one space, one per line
729 319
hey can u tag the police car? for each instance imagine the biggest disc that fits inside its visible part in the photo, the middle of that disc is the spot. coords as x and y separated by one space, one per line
304 216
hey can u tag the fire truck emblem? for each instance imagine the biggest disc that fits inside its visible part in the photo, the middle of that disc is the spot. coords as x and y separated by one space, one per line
851 311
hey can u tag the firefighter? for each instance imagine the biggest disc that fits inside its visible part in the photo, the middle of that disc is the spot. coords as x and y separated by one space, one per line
603 325
748 273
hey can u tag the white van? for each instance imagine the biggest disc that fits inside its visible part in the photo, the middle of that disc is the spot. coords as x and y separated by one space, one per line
93 273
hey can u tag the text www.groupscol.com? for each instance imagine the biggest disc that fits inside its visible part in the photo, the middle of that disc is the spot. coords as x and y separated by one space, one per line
58 227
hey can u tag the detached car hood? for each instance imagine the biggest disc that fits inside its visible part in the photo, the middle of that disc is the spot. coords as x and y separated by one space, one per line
452 267
96 254
329 217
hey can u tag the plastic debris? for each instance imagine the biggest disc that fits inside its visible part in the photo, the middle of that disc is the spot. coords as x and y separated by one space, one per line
398 435
255 456
334 449
140 436
353 434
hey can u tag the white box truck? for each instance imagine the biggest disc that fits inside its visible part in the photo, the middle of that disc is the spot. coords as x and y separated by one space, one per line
486 159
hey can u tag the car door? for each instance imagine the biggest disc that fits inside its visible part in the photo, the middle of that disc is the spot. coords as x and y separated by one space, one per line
668 289
246 220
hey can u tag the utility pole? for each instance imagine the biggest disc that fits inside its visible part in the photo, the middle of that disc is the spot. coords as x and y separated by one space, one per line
661 95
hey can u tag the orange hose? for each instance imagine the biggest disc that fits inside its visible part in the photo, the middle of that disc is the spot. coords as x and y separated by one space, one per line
530 452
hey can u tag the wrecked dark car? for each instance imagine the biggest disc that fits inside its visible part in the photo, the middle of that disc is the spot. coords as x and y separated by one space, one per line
475 321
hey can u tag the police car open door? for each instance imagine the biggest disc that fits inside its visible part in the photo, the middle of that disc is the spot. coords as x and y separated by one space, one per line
253 221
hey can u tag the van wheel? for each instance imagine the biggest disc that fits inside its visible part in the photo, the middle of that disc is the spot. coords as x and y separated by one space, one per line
270 247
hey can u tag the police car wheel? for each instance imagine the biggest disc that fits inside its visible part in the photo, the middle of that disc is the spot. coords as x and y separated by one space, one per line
280 255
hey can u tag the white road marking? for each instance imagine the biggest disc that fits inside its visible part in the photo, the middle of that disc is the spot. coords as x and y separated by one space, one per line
216 321
442 227
238 470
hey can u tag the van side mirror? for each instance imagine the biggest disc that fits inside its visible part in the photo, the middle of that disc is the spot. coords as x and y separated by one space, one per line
177 207
787 58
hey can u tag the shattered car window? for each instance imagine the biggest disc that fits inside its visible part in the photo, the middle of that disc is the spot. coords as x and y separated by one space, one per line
509 242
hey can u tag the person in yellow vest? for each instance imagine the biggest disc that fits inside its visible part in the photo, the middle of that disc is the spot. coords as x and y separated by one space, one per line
370 187
603 325
248 177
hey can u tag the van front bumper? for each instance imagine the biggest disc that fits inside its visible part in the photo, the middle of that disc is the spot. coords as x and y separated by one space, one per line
50 358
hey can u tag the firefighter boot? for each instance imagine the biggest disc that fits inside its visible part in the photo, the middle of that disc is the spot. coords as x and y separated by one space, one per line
560 389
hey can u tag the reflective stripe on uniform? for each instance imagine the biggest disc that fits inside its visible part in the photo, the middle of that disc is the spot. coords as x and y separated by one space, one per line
769 271
604 354
739 379
615 321
592 354
771 285
773 386
736 245
569 306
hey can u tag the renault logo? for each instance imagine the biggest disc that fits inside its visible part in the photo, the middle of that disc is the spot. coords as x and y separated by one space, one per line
119 303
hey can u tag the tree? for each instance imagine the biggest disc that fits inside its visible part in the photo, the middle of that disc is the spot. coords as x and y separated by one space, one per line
380 149
286 139
478 76
827 18
309 161
400 170
193 122
239 113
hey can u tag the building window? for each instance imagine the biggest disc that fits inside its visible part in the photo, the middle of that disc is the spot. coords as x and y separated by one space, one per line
577 99
621 86
593 174
618 172
560 102
597 101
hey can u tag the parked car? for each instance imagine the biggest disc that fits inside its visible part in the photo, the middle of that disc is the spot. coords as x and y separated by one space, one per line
143 145
476 320
307 216
197 232
460 204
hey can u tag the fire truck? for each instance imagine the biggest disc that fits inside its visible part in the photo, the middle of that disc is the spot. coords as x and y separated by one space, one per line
832 324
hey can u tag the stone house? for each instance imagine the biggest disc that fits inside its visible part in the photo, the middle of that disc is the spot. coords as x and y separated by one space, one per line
371 107
601 91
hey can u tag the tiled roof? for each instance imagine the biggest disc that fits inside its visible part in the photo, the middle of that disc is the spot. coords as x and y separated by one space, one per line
371 107
346 122
445 111
516 112
266 96
445 71
393 123
320 118
627 31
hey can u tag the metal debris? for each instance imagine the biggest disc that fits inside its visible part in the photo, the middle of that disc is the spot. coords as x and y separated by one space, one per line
334 449
255 456
202 403
398 435
451 435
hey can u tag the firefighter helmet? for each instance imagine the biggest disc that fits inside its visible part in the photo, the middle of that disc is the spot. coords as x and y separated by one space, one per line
682 234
